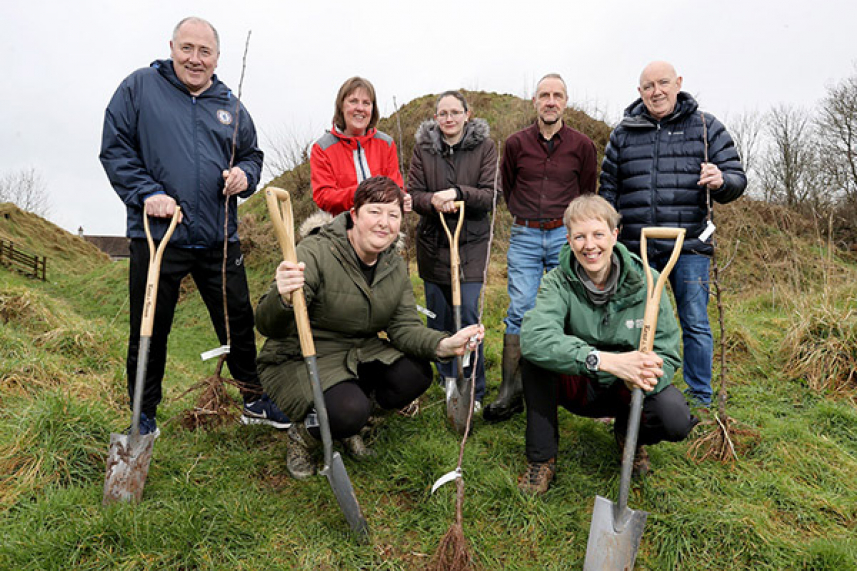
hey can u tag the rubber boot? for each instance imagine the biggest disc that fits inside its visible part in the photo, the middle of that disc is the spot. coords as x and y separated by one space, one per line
510 400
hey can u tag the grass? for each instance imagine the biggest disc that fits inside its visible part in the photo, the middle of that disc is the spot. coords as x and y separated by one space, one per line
222 499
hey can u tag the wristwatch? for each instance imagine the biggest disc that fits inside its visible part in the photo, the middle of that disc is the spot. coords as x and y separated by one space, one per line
593 361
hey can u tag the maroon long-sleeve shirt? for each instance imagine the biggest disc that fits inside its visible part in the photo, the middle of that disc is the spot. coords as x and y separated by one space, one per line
539 182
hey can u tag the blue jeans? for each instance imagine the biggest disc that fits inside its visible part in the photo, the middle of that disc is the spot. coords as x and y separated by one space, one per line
439 301
689 280
532 252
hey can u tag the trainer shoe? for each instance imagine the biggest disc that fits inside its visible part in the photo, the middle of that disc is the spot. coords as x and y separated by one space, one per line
147 426
538 477
265 411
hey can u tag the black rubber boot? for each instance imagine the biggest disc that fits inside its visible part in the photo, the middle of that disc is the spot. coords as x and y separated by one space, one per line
510 401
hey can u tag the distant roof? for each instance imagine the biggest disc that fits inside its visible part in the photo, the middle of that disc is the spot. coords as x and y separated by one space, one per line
113 246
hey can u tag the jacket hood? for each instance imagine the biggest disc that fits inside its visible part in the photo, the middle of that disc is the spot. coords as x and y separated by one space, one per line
429 135
637 115
168 72
313 222
631 283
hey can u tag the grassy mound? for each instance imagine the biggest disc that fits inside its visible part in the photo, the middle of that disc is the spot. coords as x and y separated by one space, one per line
222 499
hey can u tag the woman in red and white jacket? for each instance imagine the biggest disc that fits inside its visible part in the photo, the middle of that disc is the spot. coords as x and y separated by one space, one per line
353 150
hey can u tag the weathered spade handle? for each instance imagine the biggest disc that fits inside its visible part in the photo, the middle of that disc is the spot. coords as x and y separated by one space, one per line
653 294
454 260
284 229
155 271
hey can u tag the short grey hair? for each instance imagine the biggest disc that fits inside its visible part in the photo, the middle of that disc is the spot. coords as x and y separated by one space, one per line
197 20
552 76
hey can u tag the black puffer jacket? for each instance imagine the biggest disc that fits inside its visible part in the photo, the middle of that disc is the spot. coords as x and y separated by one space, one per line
471 166
651 169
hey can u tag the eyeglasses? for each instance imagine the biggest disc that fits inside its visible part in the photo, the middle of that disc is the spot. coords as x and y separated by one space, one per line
455 114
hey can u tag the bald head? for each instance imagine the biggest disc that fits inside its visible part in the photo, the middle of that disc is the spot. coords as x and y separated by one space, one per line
659 88
658 68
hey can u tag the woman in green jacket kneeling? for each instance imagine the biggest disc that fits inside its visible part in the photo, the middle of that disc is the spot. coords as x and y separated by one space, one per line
579 345
356 287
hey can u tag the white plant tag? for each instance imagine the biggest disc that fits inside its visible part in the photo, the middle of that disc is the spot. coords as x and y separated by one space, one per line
222 350
709 230
448 477
426 312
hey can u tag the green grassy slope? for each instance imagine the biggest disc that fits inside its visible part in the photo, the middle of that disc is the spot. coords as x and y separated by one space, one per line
222 499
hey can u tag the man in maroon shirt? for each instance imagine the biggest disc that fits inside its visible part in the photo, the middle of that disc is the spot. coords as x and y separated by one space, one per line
545 167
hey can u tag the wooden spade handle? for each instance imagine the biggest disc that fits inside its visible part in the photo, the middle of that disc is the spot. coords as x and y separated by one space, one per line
284 228
653 294
454 260
154 274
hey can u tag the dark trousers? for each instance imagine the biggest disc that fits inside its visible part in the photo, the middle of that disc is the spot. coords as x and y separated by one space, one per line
665 415
439 301
349 403
205 267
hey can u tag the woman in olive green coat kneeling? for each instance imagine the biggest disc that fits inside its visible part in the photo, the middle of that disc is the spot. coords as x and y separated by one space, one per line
356 287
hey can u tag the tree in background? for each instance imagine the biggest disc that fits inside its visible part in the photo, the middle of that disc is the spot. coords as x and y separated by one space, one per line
747 130
27 190
837 127
790 172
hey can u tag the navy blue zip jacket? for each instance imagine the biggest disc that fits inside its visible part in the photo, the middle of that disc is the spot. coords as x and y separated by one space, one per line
651 170
158 138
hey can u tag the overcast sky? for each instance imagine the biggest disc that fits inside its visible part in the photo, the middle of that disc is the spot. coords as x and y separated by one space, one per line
62 61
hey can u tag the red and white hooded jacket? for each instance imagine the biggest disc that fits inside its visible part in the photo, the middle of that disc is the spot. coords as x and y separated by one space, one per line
339 163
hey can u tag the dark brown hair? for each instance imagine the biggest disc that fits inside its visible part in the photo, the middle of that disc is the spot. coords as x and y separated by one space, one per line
349 87
452 93
379 189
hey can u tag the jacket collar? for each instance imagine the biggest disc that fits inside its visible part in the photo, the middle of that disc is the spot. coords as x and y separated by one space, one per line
636 114
429 136
167 71
337 233
631 283
352 141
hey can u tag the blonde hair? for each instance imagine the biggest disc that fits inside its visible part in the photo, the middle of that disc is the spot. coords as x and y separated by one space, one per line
587 207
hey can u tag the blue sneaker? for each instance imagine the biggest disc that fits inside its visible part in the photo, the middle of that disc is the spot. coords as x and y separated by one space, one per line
147 426
264 411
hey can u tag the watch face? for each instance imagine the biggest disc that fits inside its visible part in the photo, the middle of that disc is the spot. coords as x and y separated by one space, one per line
592 361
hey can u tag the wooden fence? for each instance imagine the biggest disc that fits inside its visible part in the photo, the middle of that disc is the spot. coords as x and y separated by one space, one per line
29 264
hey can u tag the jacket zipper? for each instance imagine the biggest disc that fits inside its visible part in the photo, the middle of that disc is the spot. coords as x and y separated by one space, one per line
191 237
360 159
654 199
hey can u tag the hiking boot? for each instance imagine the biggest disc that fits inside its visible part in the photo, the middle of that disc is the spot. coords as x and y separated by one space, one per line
300 455
510 399
538 477
147 426
264 411
357 449
640 466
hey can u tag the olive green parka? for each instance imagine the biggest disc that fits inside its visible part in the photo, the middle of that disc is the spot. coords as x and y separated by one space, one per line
346 315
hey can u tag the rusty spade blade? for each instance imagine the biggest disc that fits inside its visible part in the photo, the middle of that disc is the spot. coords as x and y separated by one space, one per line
129 455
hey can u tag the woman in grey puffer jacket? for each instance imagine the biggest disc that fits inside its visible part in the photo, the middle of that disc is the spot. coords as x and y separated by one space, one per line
454 160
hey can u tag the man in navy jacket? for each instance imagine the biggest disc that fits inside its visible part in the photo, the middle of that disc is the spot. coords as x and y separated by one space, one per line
655 174
167 142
